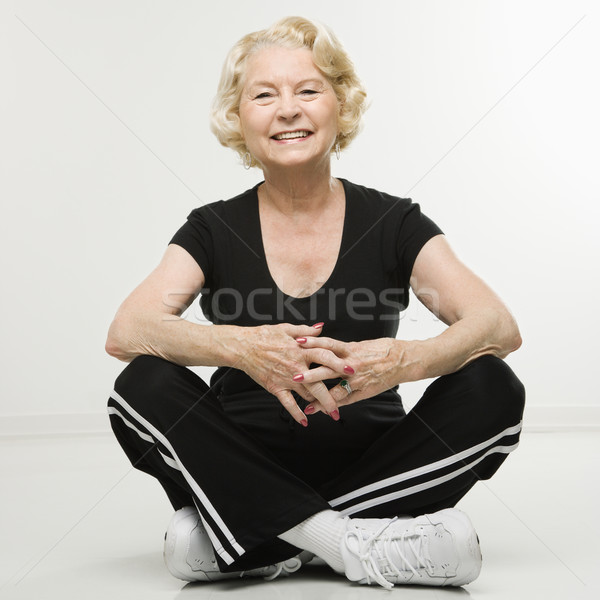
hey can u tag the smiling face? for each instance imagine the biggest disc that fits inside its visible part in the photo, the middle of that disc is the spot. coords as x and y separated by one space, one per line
288 109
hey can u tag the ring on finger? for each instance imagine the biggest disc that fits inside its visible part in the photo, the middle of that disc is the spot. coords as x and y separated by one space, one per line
346 385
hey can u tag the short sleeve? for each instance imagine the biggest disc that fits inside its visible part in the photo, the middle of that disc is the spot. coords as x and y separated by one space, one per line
415 230
196 237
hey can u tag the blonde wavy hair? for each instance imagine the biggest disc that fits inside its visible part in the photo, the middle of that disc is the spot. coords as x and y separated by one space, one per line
328 55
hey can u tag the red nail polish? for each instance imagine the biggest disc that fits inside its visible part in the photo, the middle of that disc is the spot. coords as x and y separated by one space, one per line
304 423
301 340
309 410
298 377
318 325
348 370
335 414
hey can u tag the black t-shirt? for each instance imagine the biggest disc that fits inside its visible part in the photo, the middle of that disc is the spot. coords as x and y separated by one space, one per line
362 298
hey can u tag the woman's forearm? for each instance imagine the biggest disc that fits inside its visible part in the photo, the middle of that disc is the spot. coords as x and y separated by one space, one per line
485 332
172 338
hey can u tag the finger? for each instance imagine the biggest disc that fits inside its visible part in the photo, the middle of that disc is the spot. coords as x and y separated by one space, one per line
314 407
341 397
328 404
303 331
326 343
304 393
287 401
327 358
317 374
340 394
349 399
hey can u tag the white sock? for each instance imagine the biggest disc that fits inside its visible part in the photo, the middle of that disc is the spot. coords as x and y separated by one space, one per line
322 535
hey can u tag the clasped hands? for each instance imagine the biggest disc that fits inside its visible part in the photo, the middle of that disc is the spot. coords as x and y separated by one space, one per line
278 357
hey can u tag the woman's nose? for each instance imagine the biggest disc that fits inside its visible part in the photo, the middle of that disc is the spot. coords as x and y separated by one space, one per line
289 107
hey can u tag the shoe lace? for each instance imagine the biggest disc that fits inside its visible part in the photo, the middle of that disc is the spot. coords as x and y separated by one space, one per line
375 554
289 566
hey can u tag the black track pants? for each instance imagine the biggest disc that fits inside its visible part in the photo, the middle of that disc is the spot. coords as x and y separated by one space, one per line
253 474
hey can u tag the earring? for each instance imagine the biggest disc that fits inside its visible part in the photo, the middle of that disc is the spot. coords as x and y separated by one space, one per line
247 159
337 150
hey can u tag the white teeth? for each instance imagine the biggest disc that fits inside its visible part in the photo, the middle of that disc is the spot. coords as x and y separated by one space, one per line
291 135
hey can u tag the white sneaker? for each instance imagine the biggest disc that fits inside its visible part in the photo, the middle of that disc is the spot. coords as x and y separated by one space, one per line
437 549
189 555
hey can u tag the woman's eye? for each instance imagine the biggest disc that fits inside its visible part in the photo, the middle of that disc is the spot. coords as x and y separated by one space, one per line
263 95
309 92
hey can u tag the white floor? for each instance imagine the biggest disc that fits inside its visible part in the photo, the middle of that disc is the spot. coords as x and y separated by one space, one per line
77 522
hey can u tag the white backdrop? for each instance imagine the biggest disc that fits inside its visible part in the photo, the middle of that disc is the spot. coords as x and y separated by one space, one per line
484 112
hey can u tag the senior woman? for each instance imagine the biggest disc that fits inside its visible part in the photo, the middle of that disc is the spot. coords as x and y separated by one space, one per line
303 278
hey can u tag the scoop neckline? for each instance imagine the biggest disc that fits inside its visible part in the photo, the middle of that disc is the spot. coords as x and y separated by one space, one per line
340 249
